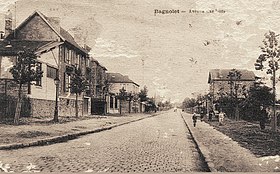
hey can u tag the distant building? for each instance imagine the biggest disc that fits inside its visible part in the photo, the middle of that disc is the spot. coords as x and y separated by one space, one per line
117 81
98 87
219 82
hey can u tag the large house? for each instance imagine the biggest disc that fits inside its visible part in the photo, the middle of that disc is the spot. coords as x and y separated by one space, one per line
221 82
58 55
117 81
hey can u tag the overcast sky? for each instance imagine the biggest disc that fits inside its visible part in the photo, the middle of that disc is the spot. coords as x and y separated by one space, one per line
170 54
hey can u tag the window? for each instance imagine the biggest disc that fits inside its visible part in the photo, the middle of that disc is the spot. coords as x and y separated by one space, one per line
51 72
66 82
39 69
78 59
116 103
62 52
111 102
87 61
66 55
81 63
73 57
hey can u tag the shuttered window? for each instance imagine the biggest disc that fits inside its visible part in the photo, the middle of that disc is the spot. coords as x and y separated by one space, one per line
51 72
39 68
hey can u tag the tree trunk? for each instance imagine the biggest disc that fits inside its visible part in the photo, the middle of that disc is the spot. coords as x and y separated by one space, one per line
76 106
105 107
55 119
237 117
274 117
129 106
18 107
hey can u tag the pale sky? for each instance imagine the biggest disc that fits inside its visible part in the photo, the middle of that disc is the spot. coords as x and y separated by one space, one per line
171 54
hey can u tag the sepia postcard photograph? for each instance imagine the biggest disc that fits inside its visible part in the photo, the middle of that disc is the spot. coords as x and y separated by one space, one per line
139 86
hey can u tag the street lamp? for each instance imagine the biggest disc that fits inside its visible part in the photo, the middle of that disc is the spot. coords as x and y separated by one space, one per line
56 82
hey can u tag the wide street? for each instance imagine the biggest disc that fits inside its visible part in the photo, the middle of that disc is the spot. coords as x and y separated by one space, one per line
158 144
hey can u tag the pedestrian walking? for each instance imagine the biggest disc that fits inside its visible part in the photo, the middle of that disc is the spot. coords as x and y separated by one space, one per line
201 115
221 117
194 119
211 114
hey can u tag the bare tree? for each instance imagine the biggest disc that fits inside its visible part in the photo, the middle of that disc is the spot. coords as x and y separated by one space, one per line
270 54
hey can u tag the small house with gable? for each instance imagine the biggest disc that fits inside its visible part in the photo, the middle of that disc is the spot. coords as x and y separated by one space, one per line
220 82
58 53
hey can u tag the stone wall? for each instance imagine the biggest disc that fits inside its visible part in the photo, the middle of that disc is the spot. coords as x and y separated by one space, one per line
42 108
45 108
10 87
67 107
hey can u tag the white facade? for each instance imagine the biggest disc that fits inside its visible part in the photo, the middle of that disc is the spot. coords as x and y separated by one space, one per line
129 87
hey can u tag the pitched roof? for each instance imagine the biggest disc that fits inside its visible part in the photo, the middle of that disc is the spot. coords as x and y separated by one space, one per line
222 75
98 63
63 34
67 36
119 78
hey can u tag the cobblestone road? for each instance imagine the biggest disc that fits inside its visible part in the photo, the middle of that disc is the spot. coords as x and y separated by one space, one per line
157 144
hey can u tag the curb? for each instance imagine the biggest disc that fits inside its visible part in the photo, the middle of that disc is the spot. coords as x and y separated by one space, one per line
202 150
66 137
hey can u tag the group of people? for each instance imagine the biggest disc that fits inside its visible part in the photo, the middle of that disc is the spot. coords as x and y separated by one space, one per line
221 116
263 116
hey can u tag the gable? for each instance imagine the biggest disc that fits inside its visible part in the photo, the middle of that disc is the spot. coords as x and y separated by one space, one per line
119 78
36 29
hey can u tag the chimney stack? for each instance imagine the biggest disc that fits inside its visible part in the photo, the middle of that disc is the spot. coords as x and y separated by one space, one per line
8 23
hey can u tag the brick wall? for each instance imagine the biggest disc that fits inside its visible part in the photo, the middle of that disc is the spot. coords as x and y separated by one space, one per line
36 29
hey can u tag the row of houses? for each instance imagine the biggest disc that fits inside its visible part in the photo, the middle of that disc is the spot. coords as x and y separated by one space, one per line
58 52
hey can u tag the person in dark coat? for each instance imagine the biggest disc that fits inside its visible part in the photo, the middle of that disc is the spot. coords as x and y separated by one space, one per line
202 114
263 116
194 119
211 114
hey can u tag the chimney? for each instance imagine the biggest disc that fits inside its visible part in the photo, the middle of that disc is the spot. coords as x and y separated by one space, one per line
87 48
8 23
55 23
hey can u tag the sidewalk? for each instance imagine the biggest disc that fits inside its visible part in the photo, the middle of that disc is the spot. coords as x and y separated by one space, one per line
225 155
13 137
